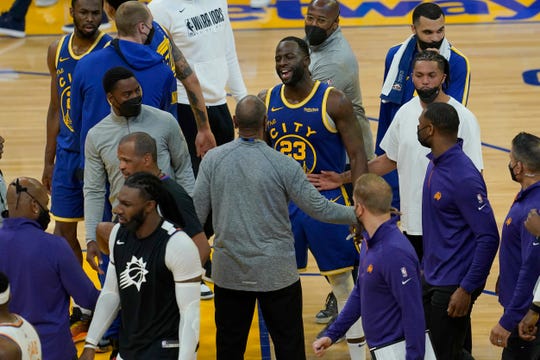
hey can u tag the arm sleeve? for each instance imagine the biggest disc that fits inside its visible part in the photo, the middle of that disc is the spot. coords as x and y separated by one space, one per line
408 294
483 225
188 299
182 257
180 159
460 76
523 292
235 82
347 317
202 194
107 307
94 188
310 200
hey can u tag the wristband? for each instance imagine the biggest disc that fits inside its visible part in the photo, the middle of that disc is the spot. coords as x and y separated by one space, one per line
89 241
90 346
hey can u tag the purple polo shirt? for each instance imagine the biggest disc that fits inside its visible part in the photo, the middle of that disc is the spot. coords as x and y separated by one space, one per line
387 294
459 230
518 274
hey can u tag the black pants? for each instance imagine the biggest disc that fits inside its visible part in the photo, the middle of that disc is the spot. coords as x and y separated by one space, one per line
282 312
222 126
447 334
519 349
418 245
220 122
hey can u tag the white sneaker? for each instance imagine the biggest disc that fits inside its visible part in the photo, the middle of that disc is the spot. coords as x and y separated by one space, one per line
45 3
206 292
259 3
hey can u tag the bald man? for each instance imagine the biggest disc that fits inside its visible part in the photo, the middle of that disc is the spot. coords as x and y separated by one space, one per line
42 269
257 262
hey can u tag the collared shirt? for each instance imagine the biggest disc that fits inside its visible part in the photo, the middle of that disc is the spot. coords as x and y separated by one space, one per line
518 258
387 294
460 233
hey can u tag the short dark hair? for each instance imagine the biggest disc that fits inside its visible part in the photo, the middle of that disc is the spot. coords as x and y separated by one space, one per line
151 188
115 3
114 75
301 43
526 148
442 63
443 117
73 2
144 144
428 10
4 282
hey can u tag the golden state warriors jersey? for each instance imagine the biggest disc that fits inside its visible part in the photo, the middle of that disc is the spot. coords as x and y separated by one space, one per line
162 45
304 131
65 63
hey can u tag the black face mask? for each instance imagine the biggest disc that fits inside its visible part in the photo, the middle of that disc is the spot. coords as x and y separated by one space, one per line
429 45
429 95
511 169
315 35
44 218
422 141
131 107
150 36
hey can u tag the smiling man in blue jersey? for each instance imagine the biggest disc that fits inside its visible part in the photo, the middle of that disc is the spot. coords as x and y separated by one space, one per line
459 232
519 267
314 124
388 294
428 33
62 149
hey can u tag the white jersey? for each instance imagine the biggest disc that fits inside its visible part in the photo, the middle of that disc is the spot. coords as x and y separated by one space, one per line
400 143
24 335
202 31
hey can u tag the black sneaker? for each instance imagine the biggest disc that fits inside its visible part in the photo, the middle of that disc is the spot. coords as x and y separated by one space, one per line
10 26
329 312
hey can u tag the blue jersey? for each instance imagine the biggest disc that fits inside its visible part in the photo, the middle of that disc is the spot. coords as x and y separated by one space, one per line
65 62
161 43
304 131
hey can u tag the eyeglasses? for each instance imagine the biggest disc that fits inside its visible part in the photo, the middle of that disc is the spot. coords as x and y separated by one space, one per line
20 189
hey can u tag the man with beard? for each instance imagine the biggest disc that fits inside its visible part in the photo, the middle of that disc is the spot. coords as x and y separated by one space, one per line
459 232
314 124
62 142
42 269
153 276
519 267
402 149
333 62
388 294
428 27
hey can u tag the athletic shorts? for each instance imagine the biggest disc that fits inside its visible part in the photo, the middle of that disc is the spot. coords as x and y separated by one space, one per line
67 200
327 242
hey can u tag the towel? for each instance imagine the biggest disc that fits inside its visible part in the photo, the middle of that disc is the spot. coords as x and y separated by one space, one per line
397 74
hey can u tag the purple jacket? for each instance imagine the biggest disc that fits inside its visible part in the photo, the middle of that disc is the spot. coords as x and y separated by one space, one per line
387 294
43 274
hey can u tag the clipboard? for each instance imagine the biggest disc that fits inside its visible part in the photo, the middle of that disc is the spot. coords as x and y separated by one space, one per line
397 350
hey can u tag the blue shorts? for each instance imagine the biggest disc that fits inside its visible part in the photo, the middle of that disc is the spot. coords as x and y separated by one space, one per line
67 199
327 242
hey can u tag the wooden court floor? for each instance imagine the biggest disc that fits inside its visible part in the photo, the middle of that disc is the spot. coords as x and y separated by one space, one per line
503 103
